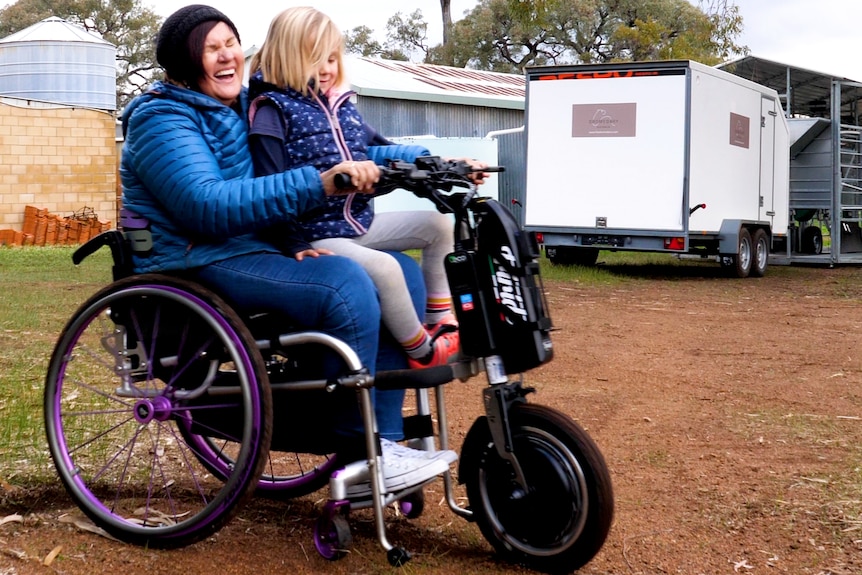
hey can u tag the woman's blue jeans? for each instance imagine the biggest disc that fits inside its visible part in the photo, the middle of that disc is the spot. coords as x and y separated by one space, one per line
330 294
391 355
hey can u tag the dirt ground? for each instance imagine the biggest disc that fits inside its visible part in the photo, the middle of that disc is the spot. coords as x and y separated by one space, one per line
729 413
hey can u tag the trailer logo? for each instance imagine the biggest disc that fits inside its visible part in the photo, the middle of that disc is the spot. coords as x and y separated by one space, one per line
604 120
506 289
739 129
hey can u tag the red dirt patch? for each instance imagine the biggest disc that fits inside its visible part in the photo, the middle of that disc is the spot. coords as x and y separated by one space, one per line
729 413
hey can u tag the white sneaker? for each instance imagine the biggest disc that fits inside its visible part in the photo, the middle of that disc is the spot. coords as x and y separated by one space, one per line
446 455
401 470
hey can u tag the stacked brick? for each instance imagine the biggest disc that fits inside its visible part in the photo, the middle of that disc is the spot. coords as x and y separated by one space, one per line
42 228
57 158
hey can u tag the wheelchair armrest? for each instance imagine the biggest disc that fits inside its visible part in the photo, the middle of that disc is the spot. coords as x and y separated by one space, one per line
414 378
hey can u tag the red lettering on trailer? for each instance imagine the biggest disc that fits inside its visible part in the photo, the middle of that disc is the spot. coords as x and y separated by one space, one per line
597 75
567 76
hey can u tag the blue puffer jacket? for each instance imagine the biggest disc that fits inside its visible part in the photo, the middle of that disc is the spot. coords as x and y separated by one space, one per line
320 132
186 168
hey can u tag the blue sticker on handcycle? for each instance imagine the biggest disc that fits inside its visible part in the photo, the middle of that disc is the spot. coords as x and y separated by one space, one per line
467 302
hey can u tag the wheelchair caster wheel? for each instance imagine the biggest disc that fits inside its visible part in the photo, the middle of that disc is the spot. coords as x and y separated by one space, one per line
412 505
398 556
332 537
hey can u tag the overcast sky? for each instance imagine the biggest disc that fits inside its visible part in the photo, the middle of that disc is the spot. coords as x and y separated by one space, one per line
821 35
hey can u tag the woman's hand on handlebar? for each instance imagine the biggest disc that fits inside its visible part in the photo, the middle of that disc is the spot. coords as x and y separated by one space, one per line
363 176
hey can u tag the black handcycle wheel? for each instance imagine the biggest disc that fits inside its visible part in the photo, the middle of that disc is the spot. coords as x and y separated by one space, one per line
562 519
142 375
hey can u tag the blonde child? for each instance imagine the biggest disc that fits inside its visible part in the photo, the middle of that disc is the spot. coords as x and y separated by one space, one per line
301 115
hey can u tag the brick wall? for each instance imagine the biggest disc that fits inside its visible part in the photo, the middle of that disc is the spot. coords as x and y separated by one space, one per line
57 158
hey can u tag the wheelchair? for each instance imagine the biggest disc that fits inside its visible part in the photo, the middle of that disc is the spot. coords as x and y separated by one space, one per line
166 408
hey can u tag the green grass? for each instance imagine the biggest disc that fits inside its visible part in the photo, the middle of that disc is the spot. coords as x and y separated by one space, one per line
39 290
620 267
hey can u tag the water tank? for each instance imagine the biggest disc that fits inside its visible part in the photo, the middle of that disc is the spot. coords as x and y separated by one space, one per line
56 61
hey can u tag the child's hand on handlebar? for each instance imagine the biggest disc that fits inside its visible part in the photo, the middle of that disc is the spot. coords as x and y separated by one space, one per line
363 175
477 177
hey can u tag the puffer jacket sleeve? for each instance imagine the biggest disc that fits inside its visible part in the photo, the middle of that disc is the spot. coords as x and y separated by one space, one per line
407 153
201 173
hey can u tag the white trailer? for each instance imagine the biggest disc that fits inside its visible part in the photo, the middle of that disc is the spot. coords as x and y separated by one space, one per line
670 156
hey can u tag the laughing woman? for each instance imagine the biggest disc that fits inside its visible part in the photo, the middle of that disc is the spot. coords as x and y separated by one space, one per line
186 169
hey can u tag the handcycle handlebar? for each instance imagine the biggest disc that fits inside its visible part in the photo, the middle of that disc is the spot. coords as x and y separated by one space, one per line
427 177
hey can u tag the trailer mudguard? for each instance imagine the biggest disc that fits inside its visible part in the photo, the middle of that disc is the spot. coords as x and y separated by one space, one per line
728 235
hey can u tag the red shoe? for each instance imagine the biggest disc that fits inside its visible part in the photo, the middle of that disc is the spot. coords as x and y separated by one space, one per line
447 323
446 345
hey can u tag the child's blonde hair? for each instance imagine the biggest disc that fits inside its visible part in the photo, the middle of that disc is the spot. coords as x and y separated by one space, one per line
298 42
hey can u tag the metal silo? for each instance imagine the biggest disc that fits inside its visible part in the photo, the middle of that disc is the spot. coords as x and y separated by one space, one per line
56 61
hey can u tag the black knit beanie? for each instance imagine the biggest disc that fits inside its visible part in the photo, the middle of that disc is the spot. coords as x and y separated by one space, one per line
172 51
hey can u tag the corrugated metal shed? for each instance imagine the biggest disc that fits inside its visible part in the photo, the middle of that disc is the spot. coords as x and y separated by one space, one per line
426 82
405 99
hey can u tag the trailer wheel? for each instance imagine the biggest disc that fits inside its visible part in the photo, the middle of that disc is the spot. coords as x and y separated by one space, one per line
760 240
571 256
739 264
812 240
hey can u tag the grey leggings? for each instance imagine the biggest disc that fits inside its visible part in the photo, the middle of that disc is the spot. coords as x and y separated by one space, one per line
428 231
